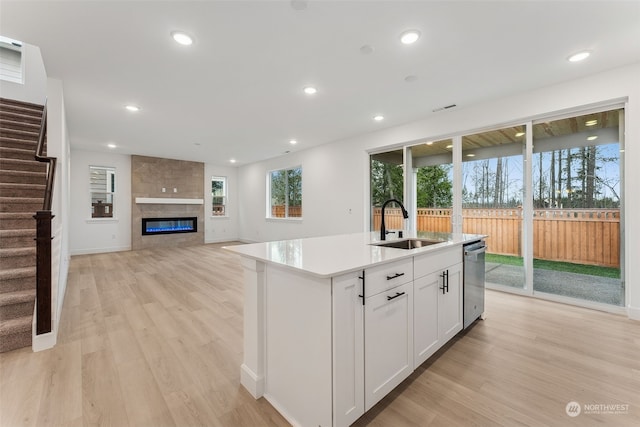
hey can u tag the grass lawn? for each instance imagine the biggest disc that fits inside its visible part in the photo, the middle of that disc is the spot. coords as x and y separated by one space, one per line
592 270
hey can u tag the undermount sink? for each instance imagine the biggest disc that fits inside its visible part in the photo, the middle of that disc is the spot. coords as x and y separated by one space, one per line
409 243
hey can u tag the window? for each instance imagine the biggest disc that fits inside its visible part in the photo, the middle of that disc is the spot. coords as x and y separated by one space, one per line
387 182
285 193
102 185
218 196
10 60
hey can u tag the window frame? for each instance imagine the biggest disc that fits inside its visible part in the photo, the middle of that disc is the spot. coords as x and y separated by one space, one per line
225 197
269 184
109 193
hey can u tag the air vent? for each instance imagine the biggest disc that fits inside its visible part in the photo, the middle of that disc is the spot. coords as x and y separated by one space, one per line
446 107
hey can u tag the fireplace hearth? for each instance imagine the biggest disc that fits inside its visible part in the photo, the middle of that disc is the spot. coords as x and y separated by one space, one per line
151 226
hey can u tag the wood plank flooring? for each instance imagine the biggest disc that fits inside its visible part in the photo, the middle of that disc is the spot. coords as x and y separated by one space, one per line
154 338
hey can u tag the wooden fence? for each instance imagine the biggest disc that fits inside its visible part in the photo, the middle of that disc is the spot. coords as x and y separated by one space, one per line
277 211
581 236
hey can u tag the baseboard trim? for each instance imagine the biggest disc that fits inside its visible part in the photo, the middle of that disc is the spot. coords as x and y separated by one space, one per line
633 313
226 239
44 341
99 250
250 381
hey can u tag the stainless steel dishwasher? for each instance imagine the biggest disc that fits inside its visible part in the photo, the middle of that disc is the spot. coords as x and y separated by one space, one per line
473 281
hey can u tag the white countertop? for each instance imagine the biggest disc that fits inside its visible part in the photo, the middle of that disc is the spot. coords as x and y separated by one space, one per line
333 255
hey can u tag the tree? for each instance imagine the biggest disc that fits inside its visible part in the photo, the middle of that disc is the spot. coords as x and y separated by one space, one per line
386 182
434 189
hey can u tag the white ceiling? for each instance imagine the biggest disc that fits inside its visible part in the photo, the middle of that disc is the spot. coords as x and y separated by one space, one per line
237 91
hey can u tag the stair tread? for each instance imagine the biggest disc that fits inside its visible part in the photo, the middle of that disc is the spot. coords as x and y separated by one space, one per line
32 142
21 185
8 123
26 173
16 273
16 150
18 232
14 252
15 325
19 161
21 199
15 215
17 297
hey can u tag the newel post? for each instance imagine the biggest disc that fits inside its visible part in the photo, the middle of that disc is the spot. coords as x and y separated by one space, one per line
43 271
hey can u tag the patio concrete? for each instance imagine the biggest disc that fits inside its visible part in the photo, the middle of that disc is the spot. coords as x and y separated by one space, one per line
591 288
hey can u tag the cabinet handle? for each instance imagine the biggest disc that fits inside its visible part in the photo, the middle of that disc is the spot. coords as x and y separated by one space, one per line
398 294
394 276
445 282
446 274
362 278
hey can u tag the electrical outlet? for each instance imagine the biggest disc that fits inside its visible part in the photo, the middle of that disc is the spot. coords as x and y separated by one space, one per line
164 190
175 190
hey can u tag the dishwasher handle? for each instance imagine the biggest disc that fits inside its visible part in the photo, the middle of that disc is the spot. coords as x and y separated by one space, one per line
476 250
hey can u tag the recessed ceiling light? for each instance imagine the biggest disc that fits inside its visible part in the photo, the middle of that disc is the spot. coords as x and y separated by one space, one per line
132 108
232 160
592 138
410 36
298 4
293 142
182 38
111 145
366 49
577 57
519 134
449 146
378 118
310 90
471 155
591 123
430 143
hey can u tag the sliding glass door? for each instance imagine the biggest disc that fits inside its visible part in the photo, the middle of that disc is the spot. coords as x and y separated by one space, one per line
576 207
492 200
433 177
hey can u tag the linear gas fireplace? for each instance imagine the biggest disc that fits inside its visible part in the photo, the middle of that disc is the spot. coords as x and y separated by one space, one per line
169 225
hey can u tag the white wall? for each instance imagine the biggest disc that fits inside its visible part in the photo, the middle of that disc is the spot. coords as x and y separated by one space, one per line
221 229
58 147
110 235
96 235
34 78
335 175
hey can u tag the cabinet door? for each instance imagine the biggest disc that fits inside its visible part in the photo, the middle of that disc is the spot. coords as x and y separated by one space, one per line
348 350
425 314
450 305
388 341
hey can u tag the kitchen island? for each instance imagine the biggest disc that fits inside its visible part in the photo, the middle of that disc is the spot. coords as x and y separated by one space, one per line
332 324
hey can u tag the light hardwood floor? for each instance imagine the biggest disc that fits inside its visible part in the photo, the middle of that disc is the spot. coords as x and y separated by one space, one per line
154 338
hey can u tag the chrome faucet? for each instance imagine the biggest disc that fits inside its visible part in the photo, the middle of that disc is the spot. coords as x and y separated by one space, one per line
383 229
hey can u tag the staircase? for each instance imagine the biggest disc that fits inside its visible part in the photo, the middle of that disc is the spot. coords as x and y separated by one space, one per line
22 188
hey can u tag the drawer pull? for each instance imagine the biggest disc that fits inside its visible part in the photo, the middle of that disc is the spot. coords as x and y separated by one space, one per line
398 294
396 275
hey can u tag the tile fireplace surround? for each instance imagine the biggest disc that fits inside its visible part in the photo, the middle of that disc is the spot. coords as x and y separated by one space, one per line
149 175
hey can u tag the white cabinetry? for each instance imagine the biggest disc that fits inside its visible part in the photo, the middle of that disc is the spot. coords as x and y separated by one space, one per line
437 301
388 341
348 349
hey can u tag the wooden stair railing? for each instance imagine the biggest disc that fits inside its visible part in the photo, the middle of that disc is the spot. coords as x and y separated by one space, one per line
43 237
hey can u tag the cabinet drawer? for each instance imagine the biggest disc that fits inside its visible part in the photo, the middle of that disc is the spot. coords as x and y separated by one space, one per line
434 261
387 276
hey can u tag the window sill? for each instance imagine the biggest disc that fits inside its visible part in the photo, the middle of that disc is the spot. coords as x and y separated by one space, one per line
270 219
102 220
